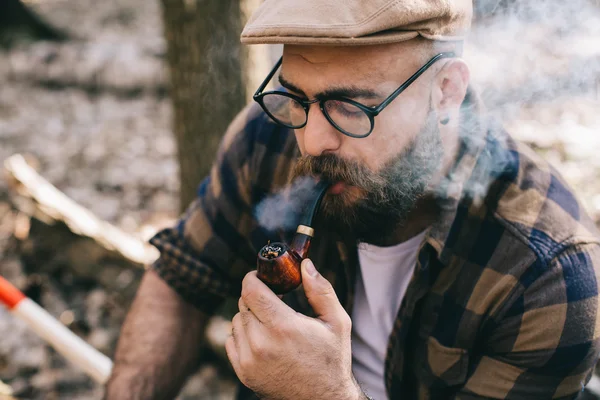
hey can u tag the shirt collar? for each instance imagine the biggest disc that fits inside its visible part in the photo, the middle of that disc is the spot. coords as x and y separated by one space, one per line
481 158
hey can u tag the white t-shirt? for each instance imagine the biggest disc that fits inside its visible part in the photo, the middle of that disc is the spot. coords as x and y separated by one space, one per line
385 273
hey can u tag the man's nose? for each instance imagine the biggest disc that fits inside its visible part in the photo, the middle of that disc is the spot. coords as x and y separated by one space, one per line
320 137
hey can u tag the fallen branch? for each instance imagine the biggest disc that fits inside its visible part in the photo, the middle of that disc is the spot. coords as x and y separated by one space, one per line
55 205
55 231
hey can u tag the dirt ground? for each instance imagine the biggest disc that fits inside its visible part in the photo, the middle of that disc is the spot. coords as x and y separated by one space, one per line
95 113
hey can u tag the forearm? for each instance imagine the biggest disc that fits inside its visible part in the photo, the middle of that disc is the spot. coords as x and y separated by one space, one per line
158 346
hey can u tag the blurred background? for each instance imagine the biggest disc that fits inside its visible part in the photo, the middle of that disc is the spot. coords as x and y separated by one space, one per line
110 114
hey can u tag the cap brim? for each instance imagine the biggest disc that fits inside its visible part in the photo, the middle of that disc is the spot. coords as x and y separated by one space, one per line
380 38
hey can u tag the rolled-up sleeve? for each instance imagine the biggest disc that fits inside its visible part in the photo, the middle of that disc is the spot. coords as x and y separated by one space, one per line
546 343
205 255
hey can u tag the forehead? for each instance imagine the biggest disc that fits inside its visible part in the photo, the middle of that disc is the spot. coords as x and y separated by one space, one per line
360 64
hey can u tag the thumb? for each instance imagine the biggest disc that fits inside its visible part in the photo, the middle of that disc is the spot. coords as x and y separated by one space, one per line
322 297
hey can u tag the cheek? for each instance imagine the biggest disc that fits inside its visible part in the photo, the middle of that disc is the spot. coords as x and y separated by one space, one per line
386 142
299 133
395 129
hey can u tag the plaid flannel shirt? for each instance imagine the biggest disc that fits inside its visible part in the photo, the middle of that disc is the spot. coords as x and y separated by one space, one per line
504 299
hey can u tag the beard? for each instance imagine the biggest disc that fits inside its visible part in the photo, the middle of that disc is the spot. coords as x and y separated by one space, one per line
375 205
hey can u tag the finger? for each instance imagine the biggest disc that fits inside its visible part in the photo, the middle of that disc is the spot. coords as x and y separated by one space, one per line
237 330
240 337
256 334
265 304
242 307
249 320
233 356
322 297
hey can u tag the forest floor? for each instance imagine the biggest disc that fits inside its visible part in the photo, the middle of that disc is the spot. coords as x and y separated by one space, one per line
95 113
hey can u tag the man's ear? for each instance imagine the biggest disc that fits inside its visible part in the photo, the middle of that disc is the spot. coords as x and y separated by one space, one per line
450 87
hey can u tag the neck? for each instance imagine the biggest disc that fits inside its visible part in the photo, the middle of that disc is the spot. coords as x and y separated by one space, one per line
422 217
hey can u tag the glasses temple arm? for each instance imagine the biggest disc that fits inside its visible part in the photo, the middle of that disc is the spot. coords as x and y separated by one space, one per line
269 77
410 80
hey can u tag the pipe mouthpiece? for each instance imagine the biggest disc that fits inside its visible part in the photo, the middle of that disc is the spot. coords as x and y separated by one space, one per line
305 230
313 207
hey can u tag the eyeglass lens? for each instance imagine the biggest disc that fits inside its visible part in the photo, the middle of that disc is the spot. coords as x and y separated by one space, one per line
344 115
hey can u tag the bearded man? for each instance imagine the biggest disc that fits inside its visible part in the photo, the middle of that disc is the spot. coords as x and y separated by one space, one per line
451 261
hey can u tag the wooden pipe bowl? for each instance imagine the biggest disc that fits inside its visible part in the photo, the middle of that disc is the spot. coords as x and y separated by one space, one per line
282 273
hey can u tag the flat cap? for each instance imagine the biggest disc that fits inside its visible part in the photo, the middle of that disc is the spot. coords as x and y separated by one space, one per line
357 22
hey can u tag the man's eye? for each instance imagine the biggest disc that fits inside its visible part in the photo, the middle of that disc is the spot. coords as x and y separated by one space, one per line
295 105
344 109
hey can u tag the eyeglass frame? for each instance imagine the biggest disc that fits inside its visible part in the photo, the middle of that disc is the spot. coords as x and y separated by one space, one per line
370 112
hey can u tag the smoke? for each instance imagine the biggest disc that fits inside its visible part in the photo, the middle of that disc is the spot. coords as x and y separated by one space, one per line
526 52
284 209
536 66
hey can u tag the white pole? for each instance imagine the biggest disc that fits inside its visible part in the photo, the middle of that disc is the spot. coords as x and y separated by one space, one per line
72 347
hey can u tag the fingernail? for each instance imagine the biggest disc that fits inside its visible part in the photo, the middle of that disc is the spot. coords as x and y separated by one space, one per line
310 267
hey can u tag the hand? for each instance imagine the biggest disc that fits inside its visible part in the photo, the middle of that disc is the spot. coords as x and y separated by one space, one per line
282 354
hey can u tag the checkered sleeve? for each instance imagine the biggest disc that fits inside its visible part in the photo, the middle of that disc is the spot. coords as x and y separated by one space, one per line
205 255
544 344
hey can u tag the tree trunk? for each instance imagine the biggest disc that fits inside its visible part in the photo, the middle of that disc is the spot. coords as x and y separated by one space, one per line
207 89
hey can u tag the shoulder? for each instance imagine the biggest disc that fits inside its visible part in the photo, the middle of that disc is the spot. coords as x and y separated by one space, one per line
265 150
530 234
253 127
548 228
540 207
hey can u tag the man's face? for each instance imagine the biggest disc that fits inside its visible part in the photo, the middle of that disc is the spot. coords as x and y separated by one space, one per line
377 179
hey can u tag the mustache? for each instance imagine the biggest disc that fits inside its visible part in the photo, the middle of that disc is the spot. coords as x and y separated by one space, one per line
336 169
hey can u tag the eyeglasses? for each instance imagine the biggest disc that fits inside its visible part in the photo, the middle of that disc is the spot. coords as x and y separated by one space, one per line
346 115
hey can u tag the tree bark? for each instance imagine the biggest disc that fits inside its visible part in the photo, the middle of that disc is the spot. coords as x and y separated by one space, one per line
207 88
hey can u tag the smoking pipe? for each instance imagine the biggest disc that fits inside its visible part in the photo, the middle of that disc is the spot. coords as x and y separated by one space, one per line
278 265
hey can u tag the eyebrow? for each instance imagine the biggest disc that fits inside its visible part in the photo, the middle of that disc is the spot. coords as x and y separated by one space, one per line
351 92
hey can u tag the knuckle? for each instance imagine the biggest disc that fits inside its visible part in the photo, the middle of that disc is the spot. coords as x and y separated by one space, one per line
248 293
236 321
282 328
246 318
246 364
248 276
345 323
260 350
264 303
260 347
261 302
247 282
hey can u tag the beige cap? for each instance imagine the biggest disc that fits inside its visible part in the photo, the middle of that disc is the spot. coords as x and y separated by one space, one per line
357 22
